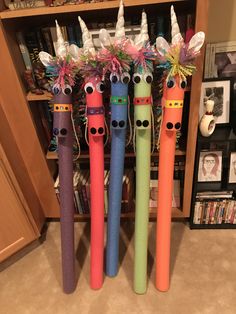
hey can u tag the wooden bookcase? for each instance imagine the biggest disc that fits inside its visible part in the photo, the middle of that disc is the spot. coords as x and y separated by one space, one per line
30 163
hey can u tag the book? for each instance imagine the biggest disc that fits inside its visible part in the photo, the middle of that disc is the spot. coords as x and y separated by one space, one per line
24 50
48 40
32 45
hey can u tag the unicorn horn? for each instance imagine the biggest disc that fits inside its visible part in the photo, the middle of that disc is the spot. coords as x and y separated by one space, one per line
175 32
144 27
60 46
88 45
143 36
120 29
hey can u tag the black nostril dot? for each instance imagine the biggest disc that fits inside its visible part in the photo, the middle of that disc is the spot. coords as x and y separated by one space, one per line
63 131
145 123
138 122
100 130
114 123
55 131
93 131
169 125
177 125
121 123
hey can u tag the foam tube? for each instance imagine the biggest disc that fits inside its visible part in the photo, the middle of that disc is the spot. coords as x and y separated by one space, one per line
96 154
143 156
172 102
63 129
118 114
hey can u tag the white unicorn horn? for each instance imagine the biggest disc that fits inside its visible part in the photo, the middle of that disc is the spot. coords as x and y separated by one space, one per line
60 46
143 36
144 27
120 25
88 45
175 32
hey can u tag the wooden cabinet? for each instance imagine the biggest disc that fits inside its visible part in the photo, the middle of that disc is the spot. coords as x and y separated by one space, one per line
16 105
17 228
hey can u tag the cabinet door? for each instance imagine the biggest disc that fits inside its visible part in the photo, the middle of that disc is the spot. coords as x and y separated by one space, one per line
16 230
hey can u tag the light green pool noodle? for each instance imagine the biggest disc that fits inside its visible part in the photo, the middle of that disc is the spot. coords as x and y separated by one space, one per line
143 158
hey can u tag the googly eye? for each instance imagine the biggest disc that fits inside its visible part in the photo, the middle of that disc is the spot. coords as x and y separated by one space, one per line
148 78
114 78
125 78
89 88
67 90
100 87
137 78
56 89
170 83
183 84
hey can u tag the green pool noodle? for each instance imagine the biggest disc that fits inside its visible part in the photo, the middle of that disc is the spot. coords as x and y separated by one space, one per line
143 156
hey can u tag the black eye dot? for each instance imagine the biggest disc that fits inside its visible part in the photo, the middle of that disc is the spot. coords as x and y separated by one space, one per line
55 131
126 80
67 91
93 131
137 79
63 131
183 84
100 130
89 90
169 125
170 83
145 123
114 123
114 79
149 79
138 122
121 123
56 91
102 87
177 125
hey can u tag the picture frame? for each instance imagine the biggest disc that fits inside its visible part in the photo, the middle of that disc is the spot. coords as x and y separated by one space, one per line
232 168
210 166
221 92
220 60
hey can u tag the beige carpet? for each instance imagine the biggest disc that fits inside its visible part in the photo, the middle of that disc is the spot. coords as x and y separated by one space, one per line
203 276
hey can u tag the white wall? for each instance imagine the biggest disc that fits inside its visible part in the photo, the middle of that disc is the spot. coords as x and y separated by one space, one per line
222 20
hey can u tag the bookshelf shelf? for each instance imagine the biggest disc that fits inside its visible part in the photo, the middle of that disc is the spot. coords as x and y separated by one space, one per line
53 155
9 14
33 97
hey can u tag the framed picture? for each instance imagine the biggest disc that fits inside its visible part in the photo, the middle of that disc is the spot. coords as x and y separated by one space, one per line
220 60
210 166
232 168
220 91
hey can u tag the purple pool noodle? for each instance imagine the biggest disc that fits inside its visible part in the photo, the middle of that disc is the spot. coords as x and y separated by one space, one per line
62 123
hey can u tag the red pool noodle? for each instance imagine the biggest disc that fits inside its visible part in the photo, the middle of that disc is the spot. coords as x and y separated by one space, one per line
96 153
173 115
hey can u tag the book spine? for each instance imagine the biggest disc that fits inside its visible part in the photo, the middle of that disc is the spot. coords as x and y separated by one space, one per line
196 213
24 50
33 46
207 61
48 40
